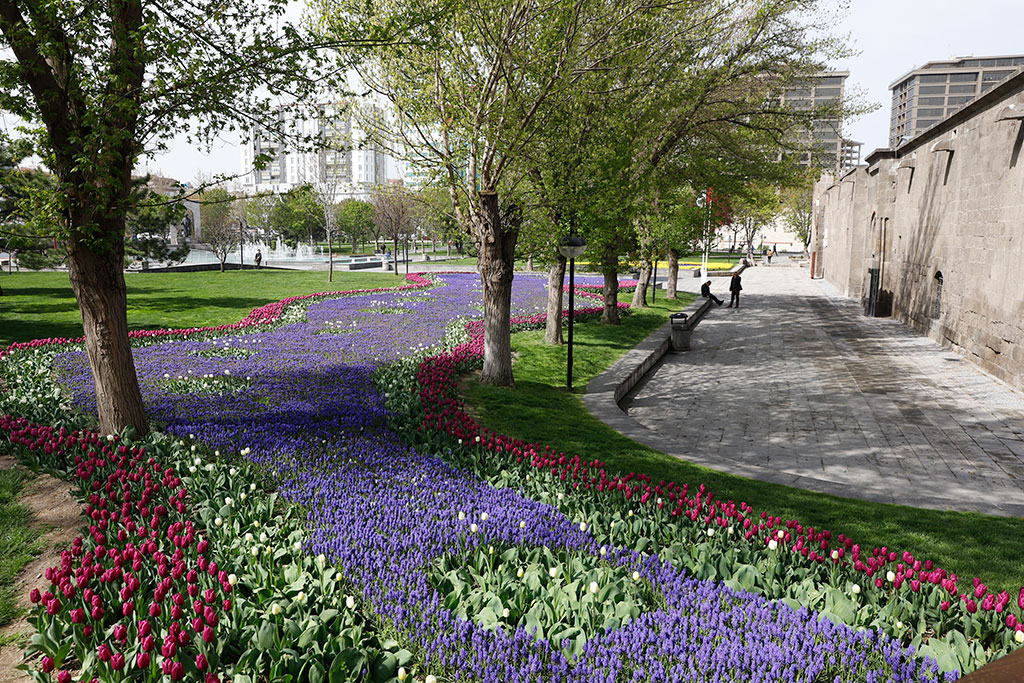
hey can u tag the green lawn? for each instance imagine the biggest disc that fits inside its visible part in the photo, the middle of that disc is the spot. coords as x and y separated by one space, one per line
18 541
40 305
539 409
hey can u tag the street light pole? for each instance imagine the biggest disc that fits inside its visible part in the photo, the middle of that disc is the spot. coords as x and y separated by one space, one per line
571 247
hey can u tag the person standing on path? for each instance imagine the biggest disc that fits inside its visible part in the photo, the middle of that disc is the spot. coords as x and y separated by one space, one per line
735 287
259 258
705 291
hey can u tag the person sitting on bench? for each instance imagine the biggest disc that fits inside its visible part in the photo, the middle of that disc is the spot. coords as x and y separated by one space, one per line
705 291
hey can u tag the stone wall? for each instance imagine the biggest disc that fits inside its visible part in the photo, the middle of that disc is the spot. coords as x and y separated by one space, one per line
942 220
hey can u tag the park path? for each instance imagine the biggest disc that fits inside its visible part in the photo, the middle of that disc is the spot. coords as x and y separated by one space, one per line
798 387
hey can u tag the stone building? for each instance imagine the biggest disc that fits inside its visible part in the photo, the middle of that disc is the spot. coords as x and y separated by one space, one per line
932 231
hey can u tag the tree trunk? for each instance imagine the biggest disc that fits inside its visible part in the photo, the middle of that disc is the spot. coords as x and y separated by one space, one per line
330 257
673 274
98 283
395 254
496 252
610 270
222 260
553 322
529 263
640 293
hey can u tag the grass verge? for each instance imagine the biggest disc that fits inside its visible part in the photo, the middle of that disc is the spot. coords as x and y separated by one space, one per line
540 409
41 305
18 540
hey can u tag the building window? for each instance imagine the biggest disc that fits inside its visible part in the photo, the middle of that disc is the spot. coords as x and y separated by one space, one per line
960 89
929 112
922 101
933 78
963 77
937 303
994 76
933 90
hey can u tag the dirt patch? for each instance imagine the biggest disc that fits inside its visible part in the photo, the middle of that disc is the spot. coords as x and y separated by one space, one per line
59 516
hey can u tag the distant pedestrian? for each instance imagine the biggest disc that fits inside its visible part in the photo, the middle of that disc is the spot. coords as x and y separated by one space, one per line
705 291
735 288
775 250
259 258
770 254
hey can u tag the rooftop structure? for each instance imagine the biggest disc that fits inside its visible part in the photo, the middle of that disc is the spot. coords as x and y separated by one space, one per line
924 96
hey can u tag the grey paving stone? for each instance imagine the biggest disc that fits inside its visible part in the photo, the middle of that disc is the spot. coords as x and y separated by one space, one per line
798 387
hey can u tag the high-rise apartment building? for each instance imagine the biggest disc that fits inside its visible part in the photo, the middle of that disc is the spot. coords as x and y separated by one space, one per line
825 144
346 163
924 96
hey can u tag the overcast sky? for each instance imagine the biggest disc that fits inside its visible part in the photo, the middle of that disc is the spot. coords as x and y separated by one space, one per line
892 37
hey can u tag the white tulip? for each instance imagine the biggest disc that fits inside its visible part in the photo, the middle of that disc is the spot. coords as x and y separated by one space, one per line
1019 636
297 546
522 525
890 576
233 471
636 576
583 526
483 516
462 515
593 586
505 613
263 538
252 487
218 521
710 531
604 551
255 551
773 544
248 537
856 589
302 596
275 609
431 678
472 528
553 572
232 579
519 574
350 602
402 675
835 554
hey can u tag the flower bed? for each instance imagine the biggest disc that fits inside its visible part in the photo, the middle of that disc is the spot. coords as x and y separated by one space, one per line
908 598
550 543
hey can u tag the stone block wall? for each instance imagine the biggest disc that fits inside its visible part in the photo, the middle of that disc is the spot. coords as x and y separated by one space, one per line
948 204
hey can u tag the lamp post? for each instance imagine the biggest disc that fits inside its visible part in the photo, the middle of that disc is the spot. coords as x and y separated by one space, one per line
571 247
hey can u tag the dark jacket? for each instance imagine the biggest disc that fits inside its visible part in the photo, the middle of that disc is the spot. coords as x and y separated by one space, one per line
705 290
734 284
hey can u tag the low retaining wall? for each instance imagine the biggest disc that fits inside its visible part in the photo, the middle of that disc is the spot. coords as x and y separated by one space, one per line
626 373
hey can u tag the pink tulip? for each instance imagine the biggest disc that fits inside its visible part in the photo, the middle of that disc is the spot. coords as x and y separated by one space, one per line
142 660
46 664
201 662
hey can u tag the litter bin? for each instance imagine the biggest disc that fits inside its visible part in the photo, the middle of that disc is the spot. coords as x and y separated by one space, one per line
681 331
696 273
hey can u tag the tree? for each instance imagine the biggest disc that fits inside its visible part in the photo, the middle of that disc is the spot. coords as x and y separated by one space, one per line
393 213
295 216
106 82
355 220
754 208
148 224
258 210
797 211
219 225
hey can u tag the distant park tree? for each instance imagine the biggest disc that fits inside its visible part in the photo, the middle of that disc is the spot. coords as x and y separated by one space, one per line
393 214
355 220
104 83
797 211
220 230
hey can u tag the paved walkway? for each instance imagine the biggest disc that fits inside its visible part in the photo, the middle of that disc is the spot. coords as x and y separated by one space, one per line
798 387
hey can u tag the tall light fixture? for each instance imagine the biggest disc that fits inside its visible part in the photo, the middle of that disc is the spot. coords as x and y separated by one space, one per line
571 247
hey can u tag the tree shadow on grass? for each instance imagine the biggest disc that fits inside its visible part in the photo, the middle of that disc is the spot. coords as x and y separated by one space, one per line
176 303
27 330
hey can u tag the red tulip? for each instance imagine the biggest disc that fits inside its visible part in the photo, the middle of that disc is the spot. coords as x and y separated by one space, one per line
117 661
177 671
207 635
63 677
201 662
46 664
144 628
142 660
